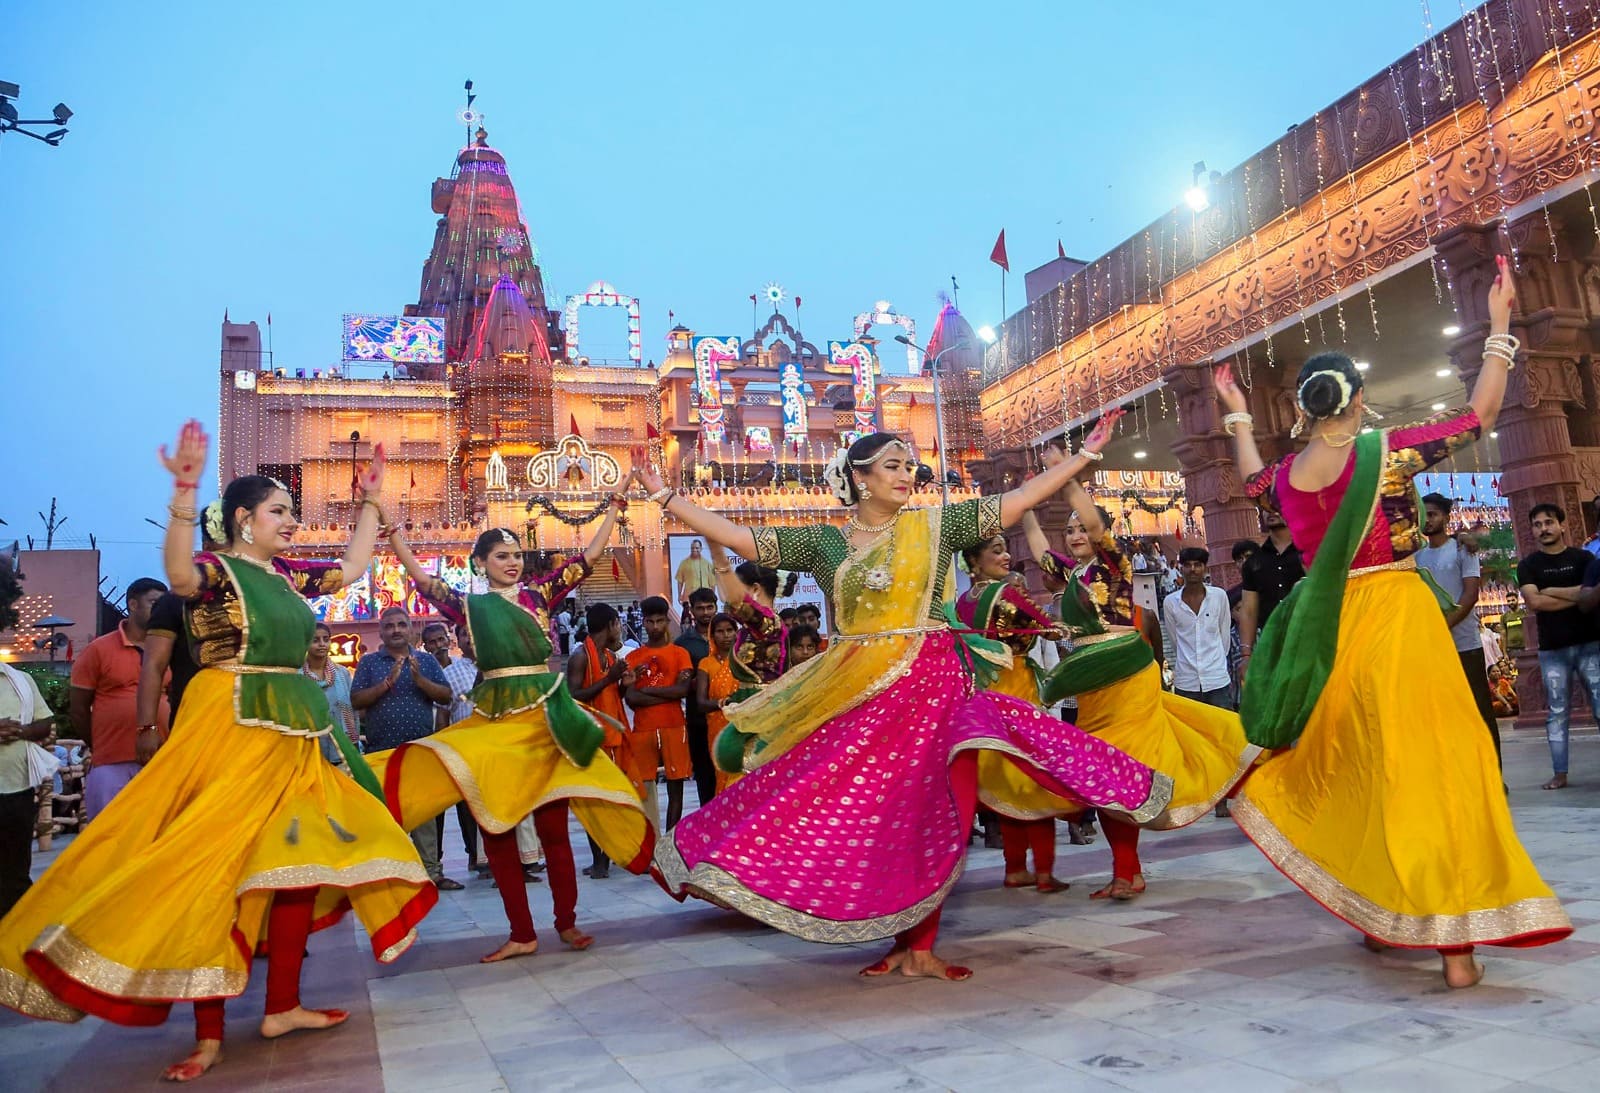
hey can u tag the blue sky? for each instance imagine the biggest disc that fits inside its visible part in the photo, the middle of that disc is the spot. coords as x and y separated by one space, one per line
278 158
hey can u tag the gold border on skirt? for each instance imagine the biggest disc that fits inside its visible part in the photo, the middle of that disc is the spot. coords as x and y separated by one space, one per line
1519 919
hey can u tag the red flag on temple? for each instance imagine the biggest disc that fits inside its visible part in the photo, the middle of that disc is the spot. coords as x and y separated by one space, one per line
936 447
1061 252
912 405
574 429
413 478
616 570
998 255
651 432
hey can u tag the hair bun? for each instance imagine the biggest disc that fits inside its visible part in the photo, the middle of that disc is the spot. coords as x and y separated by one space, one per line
789 585
1322 396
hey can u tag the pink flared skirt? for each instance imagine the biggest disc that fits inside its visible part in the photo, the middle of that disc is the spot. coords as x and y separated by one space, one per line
857 833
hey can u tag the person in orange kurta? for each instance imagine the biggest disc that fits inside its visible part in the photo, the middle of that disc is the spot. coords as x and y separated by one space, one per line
596 677
715 685
663 676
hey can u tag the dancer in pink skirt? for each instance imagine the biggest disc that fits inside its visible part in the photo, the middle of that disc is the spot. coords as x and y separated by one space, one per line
860 765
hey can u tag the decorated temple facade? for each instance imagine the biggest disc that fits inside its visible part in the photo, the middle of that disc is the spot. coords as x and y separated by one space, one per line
489 419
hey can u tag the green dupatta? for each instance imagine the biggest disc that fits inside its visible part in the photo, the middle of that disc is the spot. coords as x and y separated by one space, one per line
981 655
1294 654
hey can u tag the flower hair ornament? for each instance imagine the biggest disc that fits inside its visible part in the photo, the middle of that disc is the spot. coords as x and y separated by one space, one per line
214 527
837 475
1346 391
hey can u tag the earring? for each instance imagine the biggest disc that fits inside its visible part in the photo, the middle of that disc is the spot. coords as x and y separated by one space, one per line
246 534
866 494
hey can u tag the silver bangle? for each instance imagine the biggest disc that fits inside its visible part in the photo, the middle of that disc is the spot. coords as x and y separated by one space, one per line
1503 347
1235 419
1094 457
663 496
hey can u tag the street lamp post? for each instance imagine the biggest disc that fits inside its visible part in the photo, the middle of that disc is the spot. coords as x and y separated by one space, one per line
938 411
355 438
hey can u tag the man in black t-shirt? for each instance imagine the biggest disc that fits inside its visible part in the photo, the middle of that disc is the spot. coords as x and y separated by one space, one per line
166 646
1551 582
1265 579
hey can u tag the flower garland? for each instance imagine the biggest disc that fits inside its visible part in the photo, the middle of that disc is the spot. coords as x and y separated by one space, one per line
1132 497
549 506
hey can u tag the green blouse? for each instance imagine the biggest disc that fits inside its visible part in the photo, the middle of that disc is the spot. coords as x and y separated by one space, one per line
820 549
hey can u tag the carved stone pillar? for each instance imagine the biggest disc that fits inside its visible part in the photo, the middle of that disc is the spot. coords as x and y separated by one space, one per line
1548 407
1001 470
1211 481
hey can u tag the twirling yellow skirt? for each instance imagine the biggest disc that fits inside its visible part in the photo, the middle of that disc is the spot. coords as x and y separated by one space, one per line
1201 747
506 767
1389 810
165 896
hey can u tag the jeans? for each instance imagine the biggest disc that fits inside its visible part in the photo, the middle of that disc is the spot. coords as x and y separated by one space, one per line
1217 696
17 815
1559 666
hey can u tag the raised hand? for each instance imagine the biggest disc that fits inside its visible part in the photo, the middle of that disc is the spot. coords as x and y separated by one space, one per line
1051 456
372 475
1502 297
646 475
188 462
1101 436
1228 390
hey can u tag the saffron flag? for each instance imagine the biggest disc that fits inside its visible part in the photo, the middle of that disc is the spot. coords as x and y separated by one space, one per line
1061 252
574 429
998 255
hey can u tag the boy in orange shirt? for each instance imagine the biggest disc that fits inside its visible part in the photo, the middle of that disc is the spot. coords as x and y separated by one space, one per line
663 674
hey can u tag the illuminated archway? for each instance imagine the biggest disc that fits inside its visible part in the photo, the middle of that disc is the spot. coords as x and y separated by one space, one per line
604 294
883 313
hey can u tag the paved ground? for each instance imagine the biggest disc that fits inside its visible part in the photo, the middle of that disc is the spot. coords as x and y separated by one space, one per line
1222 977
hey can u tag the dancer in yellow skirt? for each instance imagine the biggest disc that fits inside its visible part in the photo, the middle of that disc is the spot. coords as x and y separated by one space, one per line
528 747
997 609
1113 671
1388 810
238 835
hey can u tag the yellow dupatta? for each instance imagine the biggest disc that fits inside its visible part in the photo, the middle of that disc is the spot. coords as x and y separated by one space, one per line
853 669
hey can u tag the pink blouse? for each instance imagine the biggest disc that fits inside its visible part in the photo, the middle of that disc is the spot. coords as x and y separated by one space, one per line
1396 531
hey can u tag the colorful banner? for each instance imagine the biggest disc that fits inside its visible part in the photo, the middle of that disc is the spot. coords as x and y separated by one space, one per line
792 390
389 339
758 440
858 357
710 353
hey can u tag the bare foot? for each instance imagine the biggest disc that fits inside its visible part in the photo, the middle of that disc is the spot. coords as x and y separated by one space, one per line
274 1025
576 938
1558 782
511 949
1461 971
1121 890
896 957
1020 880
1048 883
206 1054
922 963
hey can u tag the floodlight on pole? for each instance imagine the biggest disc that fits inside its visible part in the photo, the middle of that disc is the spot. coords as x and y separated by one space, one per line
12 122
986 335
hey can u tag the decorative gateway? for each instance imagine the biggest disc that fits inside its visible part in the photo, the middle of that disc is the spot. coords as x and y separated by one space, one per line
710 353
857 356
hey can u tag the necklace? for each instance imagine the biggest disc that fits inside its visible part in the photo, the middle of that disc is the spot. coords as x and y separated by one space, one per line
1336 440
257 562
854 525
509 592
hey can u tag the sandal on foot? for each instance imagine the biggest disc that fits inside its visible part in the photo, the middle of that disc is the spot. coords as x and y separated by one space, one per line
1558 782
1051 884
1119 890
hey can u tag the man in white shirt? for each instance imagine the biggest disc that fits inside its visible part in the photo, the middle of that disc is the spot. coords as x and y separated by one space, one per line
1196 628
24 719
1457 570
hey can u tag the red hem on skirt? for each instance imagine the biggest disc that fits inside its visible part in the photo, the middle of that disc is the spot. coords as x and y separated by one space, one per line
415 910
1516 941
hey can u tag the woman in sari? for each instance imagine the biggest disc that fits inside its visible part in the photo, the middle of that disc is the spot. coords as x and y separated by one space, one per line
237 836
1000 611
528 746
860 766
1385 811
1113 671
